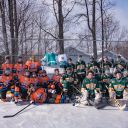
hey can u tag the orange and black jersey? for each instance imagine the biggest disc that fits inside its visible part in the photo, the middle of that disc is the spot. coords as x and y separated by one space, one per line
24 81
33 65
6 80
56 78
6 66
19 68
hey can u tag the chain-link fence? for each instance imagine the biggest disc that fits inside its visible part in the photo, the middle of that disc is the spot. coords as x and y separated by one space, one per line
73 48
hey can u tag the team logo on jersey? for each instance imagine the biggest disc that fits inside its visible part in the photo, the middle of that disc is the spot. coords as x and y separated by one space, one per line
39 96
32 66
119 87
80 66
91 86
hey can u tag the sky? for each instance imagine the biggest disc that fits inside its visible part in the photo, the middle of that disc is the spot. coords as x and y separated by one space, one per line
121 12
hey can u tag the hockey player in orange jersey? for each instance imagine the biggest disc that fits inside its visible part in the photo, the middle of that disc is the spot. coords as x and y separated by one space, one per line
54 92
56 76
43 78
7 64
6 84
34 79
21 86
33 65
37 94
19 67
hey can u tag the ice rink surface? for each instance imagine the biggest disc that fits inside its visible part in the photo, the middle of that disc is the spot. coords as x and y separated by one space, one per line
62 116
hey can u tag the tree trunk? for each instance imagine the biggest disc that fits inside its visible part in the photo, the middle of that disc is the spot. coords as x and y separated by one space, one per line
39 42
16 27
4 31
61 27
10 7
94 29
102 26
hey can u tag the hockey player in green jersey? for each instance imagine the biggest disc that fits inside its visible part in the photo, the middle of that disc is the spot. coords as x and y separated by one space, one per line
105 63
119 61
118 86
70 64
90 89
68 79
104 85
80 69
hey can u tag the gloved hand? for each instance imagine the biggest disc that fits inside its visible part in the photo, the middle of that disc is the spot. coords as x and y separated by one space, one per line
17 84
65 90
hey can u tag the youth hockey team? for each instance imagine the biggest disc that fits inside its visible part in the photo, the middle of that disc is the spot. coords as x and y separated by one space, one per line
84 83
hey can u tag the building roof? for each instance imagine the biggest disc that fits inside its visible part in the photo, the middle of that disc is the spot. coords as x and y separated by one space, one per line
75 51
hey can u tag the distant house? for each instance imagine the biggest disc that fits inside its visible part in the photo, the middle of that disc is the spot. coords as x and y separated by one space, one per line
110 55
74 53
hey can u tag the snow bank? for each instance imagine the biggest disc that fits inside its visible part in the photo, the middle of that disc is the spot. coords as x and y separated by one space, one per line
62 116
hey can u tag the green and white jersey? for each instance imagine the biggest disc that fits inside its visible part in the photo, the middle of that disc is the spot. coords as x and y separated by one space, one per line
67 80
70 66
80 67
119 85
106 64
90 85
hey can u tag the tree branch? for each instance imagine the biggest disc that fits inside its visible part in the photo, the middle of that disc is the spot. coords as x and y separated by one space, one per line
45 30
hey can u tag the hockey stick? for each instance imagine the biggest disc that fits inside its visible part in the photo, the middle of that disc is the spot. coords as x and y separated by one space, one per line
90 102
77 91
8 116
121 107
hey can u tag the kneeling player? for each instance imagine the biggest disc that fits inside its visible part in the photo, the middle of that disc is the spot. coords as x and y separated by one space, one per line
6 84
37 95
118 86
54 91
90 90
21 86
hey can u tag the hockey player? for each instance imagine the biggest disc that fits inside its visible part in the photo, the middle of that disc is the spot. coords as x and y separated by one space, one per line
7 64
90 89
70 64
37 94
6 84
118 61
34 79
43 78
92 63
19 67
117 86
21 86
68 80
105 64
80 69
33 65
54 91
104 85
56 76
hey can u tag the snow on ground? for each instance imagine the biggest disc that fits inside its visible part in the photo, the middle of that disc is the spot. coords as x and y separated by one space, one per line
62 116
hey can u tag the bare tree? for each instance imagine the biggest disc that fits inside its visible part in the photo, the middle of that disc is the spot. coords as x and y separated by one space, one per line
11 20
61 12
16 32
90 15
4 30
